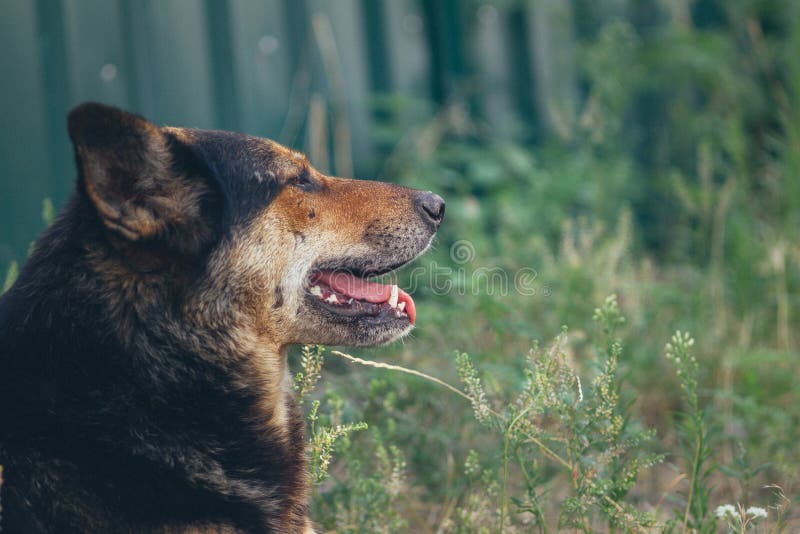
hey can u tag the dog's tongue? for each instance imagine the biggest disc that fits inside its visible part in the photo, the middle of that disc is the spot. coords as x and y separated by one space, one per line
361 289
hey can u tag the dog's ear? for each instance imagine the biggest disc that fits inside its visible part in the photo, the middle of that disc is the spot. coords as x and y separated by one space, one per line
130 171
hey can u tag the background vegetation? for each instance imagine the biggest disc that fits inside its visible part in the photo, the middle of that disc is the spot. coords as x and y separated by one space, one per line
668 175
675 186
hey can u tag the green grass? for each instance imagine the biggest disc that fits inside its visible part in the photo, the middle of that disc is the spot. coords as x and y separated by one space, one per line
563 449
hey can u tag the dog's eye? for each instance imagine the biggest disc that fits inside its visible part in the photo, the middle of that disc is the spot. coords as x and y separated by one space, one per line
302 181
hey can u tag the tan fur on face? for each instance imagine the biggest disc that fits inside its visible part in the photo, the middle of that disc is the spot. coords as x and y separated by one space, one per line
262 271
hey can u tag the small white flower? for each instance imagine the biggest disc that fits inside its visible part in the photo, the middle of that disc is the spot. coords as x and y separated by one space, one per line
756 511
725 509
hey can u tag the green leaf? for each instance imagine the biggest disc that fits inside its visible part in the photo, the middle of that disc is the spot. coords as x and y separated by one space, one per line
11 276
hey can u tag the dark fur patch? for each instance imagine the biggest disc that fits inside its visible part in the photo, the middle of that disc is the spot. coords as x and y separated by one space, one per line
120 410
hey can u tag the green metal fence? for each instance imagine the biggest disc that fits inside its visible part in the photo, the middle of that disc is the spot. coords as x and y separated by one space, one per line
261 67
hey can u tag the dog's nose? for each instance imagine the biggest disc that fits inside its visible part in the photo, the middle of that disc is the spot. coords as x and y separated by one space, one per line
431 207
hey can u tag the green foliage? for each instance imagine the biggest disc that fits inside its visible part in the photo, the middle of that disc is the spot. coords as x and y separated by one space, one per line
311 362
323 440
11 276
48 212
696 446
371 499
553 427
326 432
563 456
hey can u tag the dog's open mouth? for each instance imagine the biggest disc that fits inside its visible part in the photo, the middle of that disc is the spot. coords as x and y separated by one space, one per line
350 295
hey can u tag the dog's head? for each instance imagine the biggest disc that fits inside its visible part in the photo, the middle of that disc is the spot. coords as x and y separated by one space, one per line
247 227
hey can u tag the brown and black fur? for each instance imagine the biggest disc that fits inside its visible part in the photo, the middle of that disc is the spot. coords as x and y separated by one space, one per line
143 377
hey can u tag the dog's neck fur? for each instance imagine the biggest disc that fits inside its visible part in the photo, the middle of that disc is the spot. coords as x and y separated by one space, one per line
240 474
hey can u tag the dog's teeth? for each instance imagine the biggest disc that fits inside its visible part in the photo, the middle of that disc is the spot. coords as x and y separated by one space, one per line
316 291
350 301
332 299
401 306
393 297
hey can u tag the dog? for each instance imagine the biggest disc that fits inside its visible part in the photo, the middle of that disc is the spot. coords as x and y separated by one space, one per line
143 375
